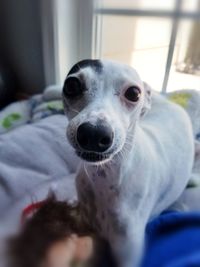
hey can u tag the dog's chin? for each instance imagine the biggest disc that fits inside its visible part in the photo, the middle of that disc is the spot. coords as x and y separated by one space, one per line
94 158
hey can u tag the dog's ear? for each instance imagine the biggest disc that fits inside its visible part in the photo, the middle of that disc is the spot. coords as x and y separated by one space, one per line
147 99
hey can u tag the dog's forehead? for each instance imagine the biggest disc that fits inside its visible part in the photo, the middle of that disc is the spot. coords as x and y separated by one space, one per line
104 70
119 71
95 65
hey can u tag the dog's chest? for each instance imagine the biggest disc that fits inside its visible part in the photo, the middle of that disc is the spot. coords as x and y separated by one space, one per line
101 194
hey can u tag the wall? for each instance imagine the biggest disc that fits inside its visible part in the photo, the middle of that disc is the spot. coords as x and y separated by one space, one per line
21 43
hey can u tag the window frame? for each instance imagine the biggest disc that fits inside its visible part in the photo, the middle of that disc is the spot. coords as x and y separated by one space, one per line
174 15
67 35
78 25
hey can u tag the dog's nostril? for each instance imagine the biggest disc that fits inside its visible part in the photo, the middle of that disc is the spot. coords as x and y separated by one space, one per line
83 140
105 141
95 138
82 135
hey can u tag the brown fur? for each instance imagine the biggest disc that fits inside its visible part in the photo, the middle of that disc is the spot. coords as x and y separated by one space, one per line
54 221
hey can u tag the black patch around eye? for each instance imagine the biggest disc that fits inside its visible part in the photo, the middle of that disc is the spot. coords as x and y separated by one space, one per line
73 87
133 94
95 64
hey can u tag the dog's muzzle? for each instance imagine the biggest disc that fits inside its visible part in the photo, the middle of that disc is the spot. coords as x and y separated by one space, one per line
94 140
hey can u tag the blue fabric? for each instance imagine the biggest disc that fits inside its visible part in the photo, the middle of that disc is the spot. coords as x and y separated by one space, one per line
173 240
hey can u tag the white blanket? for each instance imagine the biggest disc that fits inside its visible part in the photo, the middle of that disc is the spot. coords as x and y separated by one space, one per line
34 152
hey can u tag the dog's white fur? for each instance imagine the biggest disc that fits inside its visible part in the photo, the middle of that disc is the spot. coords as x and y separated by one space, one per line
149 162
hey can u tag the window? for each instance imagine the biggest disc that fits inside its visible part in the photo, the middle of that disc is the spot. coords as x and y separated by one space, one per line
160 39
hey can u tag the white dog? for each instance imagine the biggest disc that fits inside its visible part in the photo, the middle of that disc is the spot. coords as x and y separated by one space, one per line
135 163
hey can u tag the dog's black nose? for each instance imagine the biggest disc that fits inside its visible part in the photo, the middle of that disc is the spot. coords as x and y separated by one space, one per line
95 138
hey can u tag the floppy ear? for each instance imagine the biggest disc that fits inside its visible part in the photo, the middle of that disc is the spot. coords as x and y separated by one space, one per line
147 99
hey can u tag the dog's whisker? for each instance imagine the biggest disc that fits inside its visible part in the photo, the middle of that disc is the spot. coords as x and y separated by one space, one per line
121 155
86 171
74 110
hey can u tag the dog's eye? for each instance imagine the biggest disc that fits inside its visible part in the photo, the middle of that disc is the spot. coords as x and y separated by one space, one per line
72 87
133 94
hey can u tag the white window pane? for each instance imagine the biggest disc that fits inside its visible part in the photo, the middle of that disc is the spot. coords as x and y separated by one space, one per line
185 71
140 4
191 5
140 42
